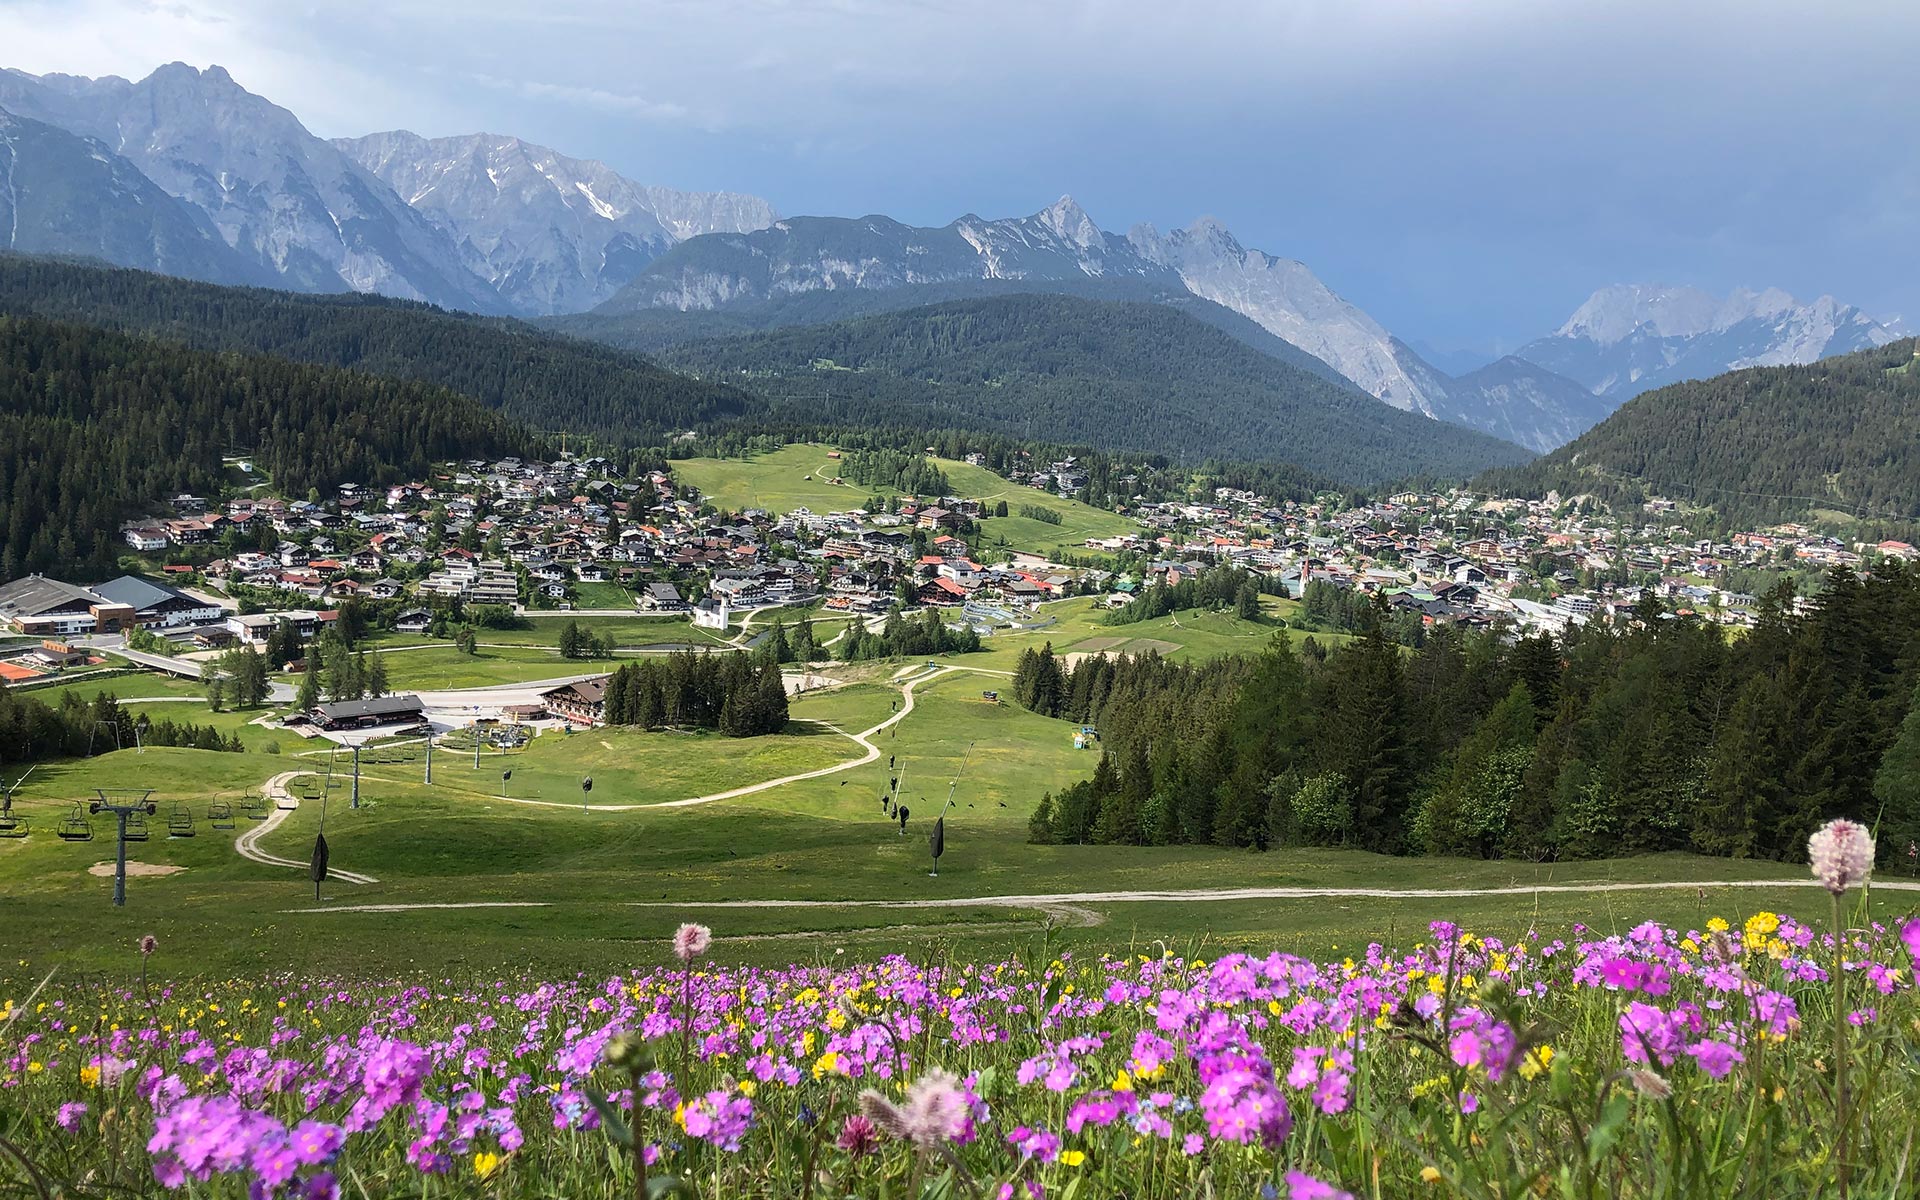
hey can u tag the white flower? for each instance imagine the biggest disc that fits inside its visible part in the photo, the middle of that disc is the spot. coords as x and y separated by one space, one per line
1842 855
690 941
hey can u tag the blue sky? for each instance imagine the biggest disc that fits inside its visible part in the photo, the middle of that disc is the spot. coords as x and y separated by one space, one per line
1466 170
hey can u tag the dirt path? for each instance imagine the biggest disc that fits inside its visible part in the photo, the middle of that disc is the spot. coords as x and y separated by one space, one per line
864 738
247 845
1070 908
1210 895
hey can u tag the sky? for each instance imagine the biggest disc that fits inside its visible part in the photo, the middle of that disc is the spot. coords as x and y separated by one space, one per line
1468 171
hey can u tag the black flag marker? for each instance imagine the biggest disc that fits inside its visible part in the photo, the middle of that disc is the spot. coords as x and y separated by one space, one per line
317 866
937 843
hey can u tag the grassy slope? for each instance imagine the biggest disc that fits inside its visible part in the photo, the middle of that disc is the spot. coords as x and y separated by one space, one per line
792 477
818 839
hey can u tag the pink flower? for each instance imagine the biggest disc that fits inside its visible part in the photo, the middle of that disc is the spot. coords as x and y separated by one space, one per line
690 941
68 1118
1910 934
1306 1187
934 1111
858 1136
1842 855
1716 1058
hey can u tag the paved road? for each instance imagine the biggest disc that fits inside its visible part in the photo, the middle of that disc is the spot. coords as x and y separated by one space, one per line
277 693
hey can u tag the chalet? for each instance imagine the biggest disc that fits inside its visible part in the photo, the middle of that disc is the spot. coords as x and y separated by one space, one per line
582 702
417 620
145 538
941 592
662 597
379 712
251 629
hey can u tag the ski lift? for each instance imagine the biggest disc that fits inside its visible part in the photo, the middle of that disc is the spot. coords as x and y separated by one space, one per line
180 820
10 825
137 826
255 807
220 814
75 827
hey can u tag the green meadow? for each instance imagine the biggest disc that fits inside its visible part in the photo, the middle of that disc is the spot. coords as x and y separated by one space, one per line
799 475
573 890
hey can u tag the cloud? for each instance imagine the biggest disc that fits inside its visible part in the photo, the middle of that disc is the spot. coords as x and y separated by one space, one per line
602 99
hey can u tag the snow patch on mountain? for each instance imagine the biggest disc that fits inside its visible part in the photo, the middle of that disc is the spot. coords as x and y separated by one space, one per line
1631 338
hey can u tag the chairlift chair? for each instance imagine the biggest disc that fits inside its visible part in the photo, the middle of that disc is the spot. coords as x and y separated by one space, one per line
220 814
10 825
137 826
180 821
75 827
255 807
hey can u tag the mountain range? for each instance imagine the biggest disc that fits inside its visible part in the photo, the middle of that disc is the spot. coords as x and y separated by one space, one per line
1626 340
304 213
187 172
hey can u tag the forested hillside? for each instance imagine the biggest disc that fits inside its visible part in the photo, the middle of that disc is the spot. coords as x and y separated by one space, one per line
1756 445
1117 375
544 380
96 427
1654 734
653 330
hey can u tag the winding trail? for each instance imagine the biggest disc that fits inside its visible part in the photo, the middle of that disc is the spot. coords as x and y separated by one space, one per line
247 845
863 738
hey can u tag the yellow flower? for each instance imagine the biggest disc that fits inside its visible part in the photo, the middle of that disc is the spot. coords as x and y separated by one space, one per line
1716 924
1072 1158
1537 1060
1437 985
1122 1082
485 1164
34 1068
90 1076
836 1020
747 1087
1762 923
826 1064
1429 1175
1689 945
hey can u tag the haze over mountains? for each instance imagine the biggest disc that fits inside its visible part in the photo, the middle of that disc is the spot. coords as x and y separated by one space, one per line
186 172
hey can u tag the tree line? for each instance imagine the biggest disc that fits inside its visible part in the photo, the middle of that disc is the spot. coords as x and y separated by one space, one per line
31 729
738 695
1221 587
1642 733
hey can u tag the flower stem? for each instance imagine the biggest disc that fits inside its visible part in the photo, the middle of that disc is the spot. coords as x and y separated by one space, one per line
1840 1156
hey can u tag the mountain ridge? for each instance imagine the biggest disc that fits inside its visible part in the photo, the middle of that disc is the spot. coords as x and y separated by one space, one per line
1121 375
1626 339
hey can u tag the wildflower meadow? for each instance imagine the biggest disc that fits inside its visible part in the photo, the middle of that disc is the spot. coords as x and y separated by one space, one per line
1758 1056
